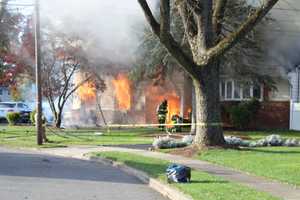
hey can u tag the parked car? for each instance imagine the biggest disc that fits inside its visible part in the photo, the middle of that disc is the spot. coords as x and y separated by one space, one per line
20 107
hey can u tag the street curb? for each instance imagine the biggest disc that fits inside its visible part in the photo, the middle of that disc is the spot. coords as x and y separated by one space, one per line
164 189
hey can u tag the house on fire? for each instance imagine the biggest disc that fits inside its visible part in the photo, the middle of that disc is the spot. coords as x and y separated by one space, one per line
126 103
122 102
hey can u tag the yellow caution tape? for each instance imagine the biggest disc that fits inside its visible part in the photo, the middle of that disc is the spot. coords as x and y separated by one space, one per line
159 125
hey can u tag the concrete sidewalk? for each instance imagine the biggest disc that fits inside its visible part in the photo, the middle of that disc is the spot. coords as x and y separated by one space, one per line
277 189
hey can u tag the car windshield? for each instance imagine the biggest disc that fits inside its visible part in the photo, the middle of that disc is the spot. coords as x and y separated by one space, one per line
7 105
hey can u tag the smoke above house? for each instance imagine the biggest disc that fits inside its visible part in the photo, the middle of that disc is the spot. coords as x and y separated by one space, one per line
108 27
283 35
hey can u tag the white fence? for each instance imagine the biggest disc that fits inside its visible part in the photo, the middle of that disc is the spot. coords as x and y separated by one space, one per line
295 116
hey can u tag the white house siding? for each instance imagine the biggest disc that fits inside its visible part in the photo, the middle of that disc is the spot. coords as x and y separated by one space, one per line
295 85
4 94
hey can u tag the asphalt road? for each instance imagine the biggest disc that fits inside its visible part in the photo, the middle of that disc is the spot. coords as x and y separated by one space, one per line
28 176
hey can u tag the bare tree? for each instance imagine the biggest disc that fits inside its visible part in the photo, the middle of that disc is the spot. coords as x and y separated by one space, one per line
203 27
62 58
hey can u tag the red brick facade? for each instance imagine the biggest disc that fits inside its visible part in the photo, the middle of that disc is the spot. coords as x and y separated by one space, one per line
271 115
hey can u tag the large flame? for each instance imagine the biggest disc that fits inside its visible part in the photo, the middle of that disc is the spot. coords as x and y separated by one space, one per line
123 92
87 92
173 105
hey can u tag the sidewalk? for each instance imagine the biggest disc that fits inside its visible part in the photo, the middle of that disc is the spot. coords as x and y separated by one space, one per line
277 189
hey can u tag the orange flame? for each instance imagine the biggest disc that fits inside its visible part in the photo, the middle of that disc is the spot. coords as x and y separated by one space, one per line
156 95
173 106
87 92
123 92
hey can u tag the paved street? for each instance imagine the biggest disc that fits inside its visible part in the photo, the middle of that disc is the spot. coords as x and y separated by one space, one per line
30 176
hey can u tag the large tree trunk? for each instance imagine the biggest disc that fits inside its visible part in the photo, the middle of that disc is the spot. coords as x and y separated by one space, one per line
193 116
209 131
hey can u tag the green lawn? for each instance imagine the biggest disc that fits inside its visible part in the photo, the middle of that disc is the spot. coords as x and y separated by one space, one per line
278 163
203 186
25 136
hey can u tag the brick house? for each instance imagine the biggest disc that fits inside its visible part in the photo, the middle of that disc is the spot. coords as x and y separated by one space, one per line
277 105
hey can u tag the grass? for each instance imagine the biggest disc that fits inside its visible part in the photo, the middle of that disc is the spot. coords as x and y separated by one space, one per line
25 136
278 163
203 185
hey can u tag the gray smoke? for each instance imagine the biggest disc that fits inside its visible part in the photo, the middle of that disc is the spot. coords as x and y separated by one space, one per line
283 35
107 27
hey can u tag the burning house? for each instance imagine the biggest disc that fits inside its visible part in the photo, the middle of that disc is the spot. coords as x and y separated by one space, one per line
123 102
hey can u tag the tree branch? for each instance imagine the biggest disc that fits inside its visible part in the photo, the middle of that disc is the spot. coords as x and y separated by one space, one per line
169 42
230 41
165 20
77 86
149 16
218 15
188 19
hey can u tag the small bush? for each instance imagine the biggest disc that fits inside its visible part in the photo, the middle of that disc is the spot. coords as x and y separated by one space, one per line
168 143
242 114
13 118
32 117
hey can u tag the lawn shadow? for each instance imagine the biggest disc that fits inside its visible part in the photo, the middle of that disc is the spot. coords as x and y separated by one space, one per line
158 171
270 151
208 181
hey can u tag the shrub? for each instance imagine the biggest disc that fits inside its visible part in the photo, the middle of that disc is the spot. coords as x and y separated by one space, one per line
32 116
168 143
13 118
242 114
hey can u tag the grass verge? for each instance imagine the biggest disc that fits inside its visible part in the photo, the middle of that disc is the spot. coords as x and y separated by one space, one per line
25 136
203 185
278 163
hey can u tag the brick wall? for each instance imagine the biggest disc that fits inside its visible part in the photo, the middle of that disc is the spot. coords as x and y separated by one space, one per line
270 116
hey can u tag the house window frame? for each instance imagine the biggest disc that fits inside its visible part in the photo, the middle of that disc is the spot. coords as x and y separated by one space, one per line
233 89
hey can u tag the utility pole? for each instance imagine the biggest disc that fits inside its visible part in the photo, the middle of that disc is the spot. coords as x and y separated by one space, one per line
38 122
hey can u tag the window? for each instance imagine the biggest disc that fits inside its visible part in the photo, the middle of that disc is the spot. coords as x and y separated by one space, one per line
229 87
247 91
257 92
231 90
237 90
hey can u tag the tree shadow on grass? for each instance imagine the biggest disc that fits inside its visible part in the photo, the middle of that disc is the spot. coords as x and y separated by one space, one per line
270 151
209 181
156 170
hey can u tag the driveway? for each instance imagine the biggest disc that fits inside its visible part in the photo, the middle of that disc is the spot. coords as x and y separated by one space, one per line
32 176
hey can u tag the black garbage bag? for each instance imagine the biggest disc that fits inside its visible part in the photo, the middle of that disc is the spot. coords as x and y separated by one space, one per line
178 174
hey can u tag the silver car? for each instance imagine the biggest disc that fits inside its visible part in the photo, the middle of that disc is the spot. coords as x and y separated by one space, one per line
19 107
